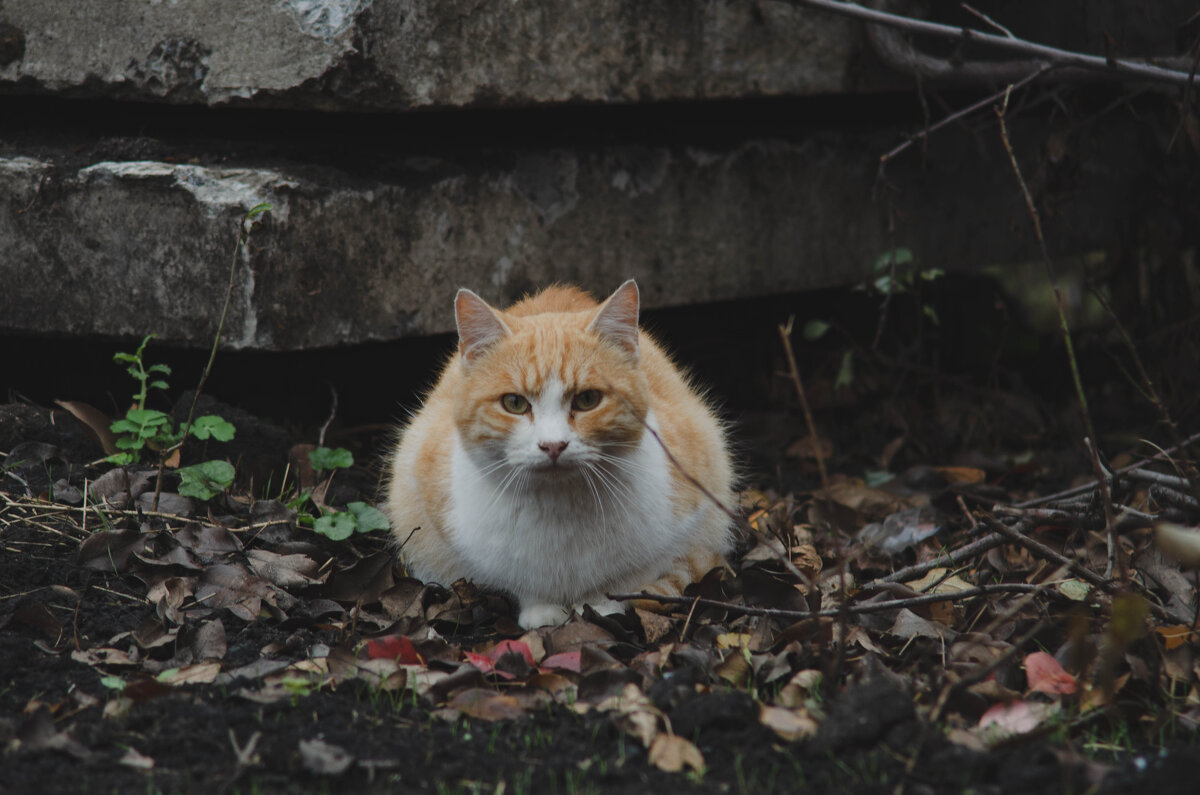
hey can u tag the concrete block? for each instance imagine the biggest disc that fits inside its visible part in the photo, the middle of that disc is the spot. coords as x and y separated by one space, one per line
124 248
402 54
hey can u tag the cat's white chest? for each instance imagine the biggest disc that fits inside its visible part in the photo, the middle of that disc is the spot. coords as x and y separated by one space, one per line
564 538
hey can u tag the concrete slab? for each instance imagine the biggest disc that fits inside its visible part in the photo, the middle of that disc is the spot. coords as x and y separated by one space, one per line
129 247
403 54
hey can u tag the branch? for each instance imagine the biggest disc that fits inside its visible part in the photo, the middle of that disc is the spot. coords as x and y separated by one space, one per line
1039 54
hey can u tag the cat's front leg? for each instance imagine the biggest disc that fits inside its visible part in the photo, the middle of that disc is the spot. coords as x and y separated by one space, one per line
542 615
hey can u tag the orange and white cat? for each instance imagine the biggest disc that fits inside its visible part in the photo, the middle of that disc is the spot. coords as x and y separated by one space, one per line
532 468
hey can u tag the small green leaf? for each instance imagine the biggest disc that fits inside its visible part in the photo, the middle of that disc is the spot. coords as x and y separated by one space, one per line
324 458
121 459
151 418
931 313
166 674
124 357
815 329
877 477
845 376
124 426
929 274
335 526
258 210
367 517
1075 590
886 284
113 683
157 385
159 368
129 442
212 425
205 480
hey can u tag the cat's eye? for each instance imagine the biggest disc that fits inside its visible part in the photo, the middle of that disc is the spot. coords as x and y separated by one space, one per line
514 403
586 400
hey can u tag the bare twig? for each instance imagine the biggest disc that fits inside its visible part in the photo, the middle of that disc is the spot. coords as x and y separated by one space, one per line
851 609
1064 328
958 114
785 334
1039 53
946 559
1071 492
247 225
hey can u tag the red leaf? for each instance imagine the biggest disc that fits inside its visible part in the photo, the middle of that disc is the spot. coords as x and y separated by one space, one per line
486 661
1045 675
396 647
564 661
511 647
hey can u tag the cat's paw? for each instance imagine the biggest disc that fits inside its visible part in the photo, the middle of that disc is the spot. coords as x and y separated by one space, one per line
535 616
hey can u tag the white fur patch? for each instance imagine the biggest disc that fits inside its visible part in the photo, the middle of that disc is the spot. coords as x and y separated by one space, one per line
599 521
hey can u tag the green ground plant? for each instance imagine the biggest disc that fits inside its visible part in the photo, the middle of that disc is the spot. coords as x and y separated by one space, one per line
144 430
359 517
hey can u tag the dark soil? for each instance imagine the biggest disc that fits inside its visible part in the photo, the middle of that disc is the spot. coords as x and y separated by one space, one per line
66 728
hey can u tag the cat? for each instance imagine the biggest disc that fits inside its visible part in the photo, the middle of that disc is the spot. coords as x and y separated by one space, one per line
533 466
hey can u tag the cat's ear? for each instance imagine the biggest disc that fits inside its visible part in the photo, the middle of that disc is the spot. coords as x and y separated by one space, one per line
479 327
617 320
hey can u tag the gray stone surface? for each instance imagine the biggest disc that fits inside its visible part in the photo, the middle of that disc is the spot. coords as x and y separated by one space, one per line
131 247
401 54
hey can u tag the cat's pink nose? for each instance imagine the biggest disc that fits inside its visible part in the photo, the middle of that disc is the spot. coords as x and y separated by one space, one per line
552 449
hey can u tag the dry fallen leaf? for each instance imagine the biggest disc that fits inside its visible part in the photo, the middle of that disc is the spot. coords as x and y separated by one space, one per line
1045 675
672 753
1003 721
486 705
96 421
789 724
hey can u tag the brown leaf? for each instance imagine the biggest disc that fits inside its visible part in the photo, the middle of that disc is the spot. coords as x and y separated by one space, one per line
96 421
196 674
367 579
110 550
574 635
208 542
225 585
910 625
486 705
672 753
962 475
286 571
789 724
654 626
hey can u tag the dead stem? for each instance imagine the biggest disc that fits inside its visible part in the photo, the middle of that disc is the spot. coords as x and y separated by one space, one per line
785 334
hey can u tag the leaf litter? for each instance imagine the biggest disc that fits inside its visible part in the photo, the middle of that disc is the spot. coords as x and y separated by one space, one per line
935 609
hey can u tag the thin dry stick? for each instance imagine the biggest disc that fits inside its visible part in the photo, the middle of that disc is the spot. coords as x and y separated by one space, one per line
243 235
958 114
1076 490
1054 55
1102 583
945 559
1064 327
785 334
850 609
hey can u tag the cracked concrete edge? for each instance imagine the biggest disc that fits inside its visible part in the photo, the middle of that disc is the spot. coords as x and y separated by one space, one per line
128 248
401 54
